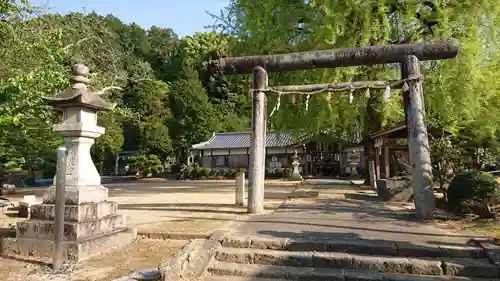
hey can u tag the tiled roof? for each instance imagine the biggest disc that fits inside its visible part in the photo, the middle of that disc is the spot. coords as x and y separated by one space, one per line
243 139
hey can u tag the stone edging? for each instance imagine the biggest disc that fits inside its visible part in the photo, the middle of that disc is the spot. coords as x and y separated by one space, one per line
191 263
172 235
188 265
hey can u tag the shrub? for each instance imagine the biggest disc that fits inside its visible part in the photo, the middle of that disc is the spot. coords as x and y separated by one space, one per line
145 165
278 173
204 172
287 172
199 172
224 172
270 173
214 172
472 192
242 170
176 168
232 173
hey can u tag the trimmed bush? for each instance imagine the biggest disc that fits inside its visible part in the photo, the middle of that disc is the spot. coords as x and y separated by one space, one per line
278 173
472 193
214 172
287 172
224 172
146 165
270 173
199 172
205 172
232 173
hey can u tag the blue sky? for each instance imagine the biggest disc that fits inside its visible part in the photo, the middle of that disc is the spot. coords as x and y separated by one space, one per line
184 16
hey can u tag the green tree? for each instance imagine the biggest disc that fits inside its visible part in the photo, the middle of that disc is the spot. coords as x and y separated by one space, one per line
193 118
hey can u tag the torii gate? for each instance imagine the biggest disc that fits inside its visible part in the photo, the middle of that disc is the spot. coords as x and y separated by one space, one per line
409 55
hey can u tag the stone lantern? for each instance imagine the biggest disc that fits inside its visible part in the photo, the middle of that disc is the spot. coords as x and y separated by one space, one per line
79 130
295 164
353 163
91 223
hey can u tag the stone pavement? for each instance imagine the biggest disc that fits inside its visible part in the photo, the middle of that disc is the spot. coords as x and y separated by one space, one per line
333 230
335 209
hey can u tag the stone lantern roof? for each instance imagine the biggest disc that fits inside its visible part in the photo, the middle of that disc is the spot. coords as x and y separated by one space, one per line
78 95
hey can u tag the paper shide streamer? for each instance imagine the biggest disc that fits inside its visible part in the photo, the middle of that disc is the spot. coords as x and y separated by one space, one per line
387 94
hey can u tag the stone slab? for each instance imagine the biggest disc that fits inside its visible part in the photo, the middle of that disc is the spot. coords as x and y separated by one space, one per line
42 250
251 272
191 263
81 213
277 272
44 229
238 240
480 268
330 260
152 274
76 195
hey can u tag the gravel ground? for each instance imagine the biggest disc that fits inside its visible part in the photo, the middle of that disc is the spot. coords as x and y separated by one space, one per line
186 207
142 254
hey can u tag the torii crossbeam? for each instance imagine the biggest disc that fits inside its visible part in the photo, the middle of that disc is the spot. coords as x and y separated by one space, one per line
409 55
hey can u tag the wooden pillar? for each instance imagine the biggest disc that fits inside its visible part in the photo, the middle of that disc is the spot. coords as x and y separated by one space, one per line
371 173
377 164
258 144
418 143
387 161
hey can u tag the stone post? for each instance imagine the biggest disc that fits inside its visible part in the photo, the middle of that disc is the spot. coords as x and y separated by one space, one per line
91 222
240 189
258 143
418 142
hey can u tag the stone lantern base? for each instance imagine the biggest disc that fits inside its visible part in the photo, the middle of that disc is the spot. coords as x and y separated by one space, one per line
89 229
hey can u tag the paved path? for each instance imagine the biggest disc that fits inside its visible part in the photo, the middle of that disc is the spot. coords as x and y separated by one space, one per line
336 209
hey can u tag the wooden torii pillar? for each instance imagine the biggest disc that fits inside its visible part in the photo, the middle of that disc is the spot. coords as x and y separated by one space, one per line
408 55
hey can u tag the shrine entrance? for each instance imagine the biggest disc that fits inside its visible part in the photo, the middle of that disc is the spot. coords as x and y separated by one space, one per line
408 55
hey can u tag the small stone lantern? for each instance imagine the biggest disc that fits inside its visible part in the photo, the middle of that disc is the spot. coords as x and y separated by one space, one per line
353 163
295 164
91 222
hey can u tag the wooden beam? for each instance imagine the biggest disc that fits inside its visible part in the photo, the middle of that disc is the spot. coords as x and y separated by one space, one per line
335 58
338 87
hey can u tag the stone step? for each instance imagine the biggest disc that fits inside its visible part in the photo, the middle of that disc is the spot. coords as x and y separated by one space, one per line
44 229
467 267
353 246
253 272
81 213
42 250
237 278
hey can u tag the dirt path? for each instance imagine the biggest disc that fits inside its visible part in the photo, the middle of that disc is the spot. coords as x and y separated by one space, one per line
190 207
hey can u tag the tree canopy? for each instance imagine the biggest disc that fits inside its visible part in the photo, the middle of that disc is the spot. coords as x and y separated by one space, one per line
167 101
